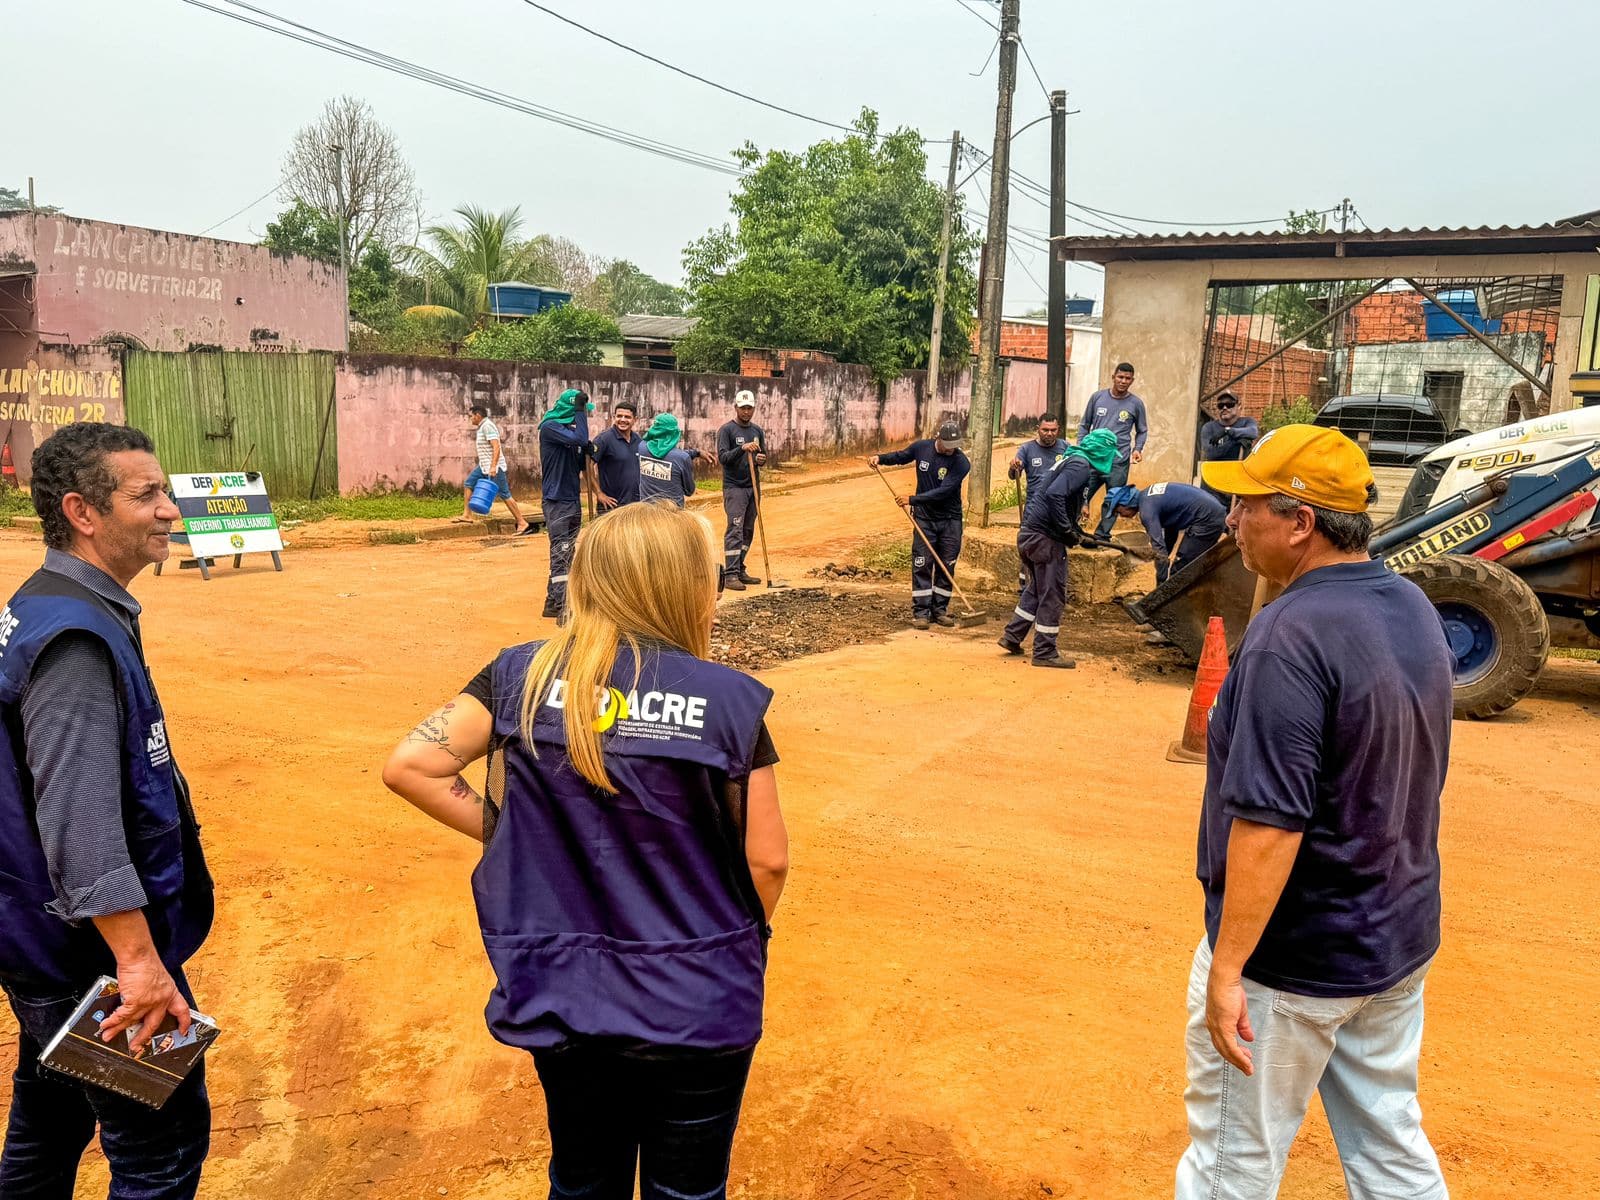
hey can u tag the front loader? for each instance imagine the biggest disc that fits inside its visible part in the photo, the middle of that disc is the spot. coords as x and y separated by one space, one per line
1501 530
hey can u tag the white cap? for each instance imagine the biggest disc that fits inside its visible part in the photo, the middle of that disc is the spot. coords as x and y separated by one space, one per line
745 399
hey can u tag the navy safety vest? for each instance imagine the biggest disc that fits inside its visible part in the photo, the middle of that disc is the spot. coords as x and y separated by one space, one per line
659 478
38 949
624 917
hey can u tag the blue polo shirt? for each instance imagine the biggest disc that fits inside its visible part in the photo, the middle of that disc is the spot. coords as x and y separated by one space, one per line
617 461
1334 721
562 449
1037 460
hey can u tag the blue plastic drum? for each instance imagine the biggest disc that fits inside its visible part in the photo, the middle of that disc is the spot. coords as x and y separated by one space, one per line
483 494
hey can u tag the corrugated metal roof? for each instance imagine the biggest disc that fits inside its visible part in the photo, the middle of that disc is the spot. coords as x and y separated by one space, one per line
1502 239
655 329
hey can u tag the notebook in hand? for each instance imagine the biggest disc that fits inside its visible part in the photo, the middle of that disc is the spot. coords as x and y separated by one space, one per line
78 1050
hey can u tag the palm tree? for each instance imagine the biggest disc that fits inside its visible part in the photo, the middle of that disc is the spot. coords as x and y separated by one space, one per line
465 259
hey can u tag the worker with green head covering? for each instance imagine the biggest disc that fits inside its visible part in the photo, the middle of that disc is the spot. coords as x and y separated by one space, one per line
666 470
1050 524
563 446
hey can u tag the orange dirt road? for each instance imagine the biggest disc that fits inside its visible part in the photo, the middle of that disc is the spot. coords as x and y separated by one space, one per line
976 986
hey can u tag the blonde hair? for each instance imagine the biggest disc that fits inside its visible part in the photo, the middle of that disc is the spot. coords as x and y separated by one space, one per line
642 572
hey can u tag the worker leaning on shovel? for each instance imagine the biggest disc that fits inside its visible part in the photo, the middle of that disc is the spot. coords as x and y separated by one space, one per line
936 509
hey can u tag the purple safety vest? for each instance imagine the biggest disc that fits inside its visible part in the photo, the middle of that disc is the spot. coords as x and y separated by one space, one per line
622 917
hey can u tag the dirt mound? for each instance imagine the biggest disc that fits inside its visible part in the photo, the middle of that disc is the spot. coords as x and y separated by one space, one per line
848 571
791 623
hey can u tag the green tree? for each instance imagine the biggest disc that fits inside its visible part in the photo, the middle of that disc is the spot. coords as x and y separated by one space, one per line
11 200
622 288
835 249
566 334
466 258
379 293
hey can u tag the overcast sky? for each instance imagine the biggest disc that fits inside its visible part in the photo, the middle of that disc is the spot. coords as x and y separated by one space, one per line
153 112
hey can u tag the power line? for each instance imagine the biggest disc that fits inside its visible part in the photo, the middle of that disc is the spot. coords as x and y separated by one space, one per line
269 192
1023 46
979 15
687 74
376 58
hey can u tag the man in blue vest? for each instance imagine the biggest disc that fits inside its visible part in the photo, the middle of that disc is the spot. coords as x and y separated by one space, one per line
101 871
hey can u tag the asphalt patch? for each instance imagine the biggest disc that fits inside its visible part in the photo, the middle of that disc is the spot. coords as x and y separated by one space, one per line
790 623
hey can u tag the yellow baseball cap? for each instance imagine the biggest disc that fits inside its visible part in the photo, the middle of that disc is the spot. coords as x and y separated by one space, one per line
1310 463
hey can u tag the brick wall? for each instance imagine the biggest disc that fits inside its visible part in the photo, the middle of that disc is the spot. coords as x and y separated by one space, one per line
1388 317
1296 372
761 362
1028 341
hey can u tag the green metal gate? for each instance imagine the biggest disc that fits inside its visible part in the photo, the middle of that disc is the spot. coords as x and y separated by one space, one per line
236 410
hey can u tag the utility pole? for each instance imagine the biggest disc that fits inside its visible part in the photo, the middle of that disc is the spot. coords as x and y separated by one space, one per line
1055 388
980 422
930 416
344 236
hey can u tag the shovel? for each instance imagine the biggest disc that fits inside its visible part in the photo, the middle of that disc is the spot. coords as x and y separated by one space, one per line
761 530
972 616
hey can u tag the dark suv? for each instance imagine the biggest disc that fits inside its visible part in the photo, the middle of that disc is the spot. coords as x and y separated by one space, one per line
1401 428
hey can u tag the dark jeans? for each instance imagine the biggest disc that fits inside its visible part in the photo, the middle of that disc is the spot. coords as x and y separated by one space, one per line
154 1154
739 505
930 587
1108 515
673 1116
1043 594
562 519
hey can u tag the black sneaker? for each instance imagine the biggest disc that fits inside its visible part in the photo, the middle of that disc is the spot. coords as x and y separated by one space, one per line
746 577
551 610
733 583
919 622
946 620
1009 646
1061 664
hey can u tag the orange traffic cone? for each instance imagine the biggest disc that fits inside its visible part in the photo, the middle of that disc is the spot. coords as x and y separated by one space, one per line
1208 679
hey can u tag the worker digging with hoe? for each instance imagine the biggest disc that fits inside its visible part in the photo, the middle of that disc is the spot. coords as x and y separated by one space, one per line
1034 459
1050 526
1326 752
936 508
1123 413
742 451
1168 511
563 448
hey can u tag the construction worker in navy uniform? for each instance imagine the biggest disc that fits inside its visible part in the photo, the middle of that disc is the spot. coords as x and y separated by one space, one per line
1227 437
942 467
1120 410
1050 526
1167 510
742 451
564 450
101 871
1034 459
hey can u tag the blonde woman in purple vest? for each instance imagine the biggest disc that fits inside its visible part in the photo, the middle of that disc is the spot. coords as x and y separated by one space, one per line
634 852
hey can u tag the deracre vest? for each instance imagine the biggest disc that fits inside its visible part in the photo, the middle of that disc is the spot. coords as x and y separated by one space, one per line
38 949
622 917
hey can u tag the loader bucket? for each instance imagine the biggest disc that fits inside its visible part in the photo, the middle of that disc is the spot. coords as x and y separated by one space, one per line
1214 585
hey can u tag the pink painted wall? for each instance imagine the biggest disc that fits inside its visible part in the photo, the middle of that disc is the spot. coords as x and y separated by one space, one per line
403 421
172 291
52 387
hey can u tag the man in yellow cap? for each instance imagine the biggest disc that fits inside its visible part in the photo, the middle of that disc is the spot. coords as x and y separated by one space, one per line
1326 753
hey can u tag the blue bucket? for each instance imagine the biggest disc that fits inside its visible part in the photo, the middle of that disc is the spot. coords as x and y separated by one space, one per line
483 494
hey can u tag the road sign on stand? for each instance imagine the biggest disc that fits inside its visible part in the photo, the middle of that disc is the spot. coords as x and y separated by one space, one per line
225 513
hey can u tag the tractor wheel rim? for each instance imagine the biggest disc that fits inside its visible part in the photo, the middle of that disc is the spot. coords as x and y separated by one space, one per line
1473 640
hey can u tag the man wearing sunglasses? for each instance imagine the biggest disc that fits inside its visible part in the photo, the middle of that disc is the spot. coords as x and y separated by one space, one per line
1227 438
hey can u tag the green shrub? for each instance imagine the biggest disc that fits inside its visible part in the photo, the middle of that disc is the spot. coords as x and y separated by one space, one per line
1299 411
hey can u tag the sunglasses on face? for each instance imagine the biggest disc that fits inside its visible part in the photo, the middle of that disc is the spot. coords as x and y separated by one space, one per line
1226 407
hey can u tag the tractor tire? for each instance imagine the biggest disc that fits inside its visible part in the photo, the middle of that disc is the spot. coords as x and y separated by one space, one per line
1496 627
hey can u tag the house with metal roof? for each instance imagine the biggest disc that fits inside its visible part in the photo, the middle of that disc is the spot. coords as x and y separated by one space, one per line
647 341
1280 315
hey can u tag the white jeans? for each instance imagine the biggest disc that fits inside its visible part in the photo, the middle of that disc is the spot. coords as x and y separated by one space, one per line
1359 1052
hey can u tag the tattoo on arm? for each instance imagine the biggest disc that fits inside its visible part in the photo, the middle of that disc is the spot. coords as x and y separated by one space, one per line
432 732
461 790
